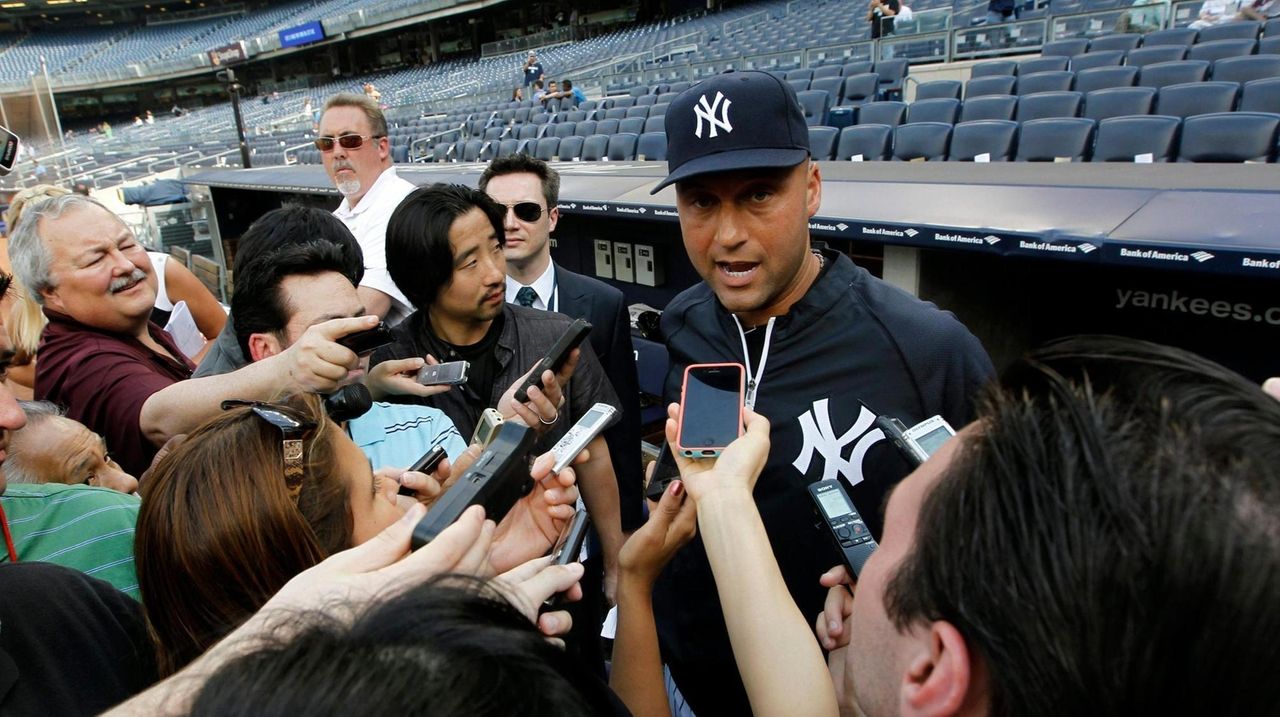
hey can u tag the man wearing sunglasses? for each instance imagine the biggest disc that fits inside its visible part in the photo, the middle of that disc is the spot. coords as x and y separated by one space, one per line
356 153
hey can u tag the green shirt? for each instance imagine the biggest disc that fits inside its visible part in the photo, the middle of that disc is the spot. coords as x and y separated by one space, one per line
78 526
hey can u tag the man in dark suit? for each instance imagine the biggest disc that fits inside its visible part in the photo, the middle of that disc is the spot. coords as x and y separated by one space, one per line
529 189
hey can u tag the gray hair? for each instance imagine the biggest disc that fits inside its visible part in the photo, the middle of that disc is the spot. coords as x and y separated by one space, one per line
27 250
16 469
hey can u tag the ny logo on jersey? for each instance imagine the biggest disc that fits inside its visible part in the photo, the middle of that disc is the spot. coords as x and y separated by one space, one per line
820 437
704 111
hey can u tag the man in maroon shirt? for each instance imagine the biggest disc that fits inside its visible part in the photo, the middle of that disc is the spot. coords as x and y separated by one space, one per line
114 370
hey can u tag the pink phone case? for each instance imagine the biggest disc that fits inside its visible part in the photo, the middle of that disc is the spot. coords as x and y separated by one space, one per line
708 451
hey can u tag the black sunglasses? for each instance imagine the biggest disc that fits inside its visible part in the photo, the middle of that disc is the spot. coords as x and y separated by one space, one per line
526 211
294 426
346 141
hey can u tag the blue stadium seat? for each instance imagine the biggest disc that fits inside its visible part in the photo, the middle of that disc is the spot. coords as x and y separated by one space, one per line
1100 78
815 104
1219 49
616 113
922 140
827 72
860 89
799 85
1261 96
871 142
1065 48
564 129
822 142
1090 60
1246 69
1122 41
634 125
831 85
440 152
646 100
801 74
893 73
507 147
1157 54
1042 64
1123 139
857 68
1235 30
1119 102
570 148
888 112
1173 73
471 150
939 110
1184 36
607 126
655 124
989 107
622 146
994 85
678 87
546 148
994 138
652 147
1270 45
1196 98
994 68
595 148
1048 104
1055 139
585 128
659 110
638 111
1054 81
938 89
1230 137
527 131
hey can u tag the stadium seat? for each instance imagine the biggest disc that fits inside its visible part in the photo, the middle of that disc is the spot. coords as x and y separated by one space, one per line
1119 102
857 68
570 148
655 124
652 147
471 151
678 87
564 129
646 100
507 147
625 102
893 73
994 68
638 90
1055 139
522 115
803 73
989 107
588 106
1272 27
1196 98
922 140
887 112
1235 30
815 104
1065 48
1090 60
1143 56
539 118
1184 36
527 131
622 146
634 125
1261 96
1230 137
1123 139
1246 69
1219 49
607 126
1042 64
869 142
938 90
659 110
1100 78
822 142
1122 41
1270 45
994 138
1054 81
994 85
826 72
1048 104
546 148
641 112
830 85
860 89
1173 73
841 116
799 85
940 110
493 133
585 128
617 113
595 148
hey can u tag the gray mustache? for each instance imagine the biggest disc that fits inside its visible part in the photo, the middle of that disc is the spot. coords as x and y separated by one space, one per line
125 282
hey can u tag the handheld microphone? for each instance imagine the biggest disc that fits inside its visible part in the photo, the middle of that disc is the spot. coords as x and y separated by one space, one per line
348 402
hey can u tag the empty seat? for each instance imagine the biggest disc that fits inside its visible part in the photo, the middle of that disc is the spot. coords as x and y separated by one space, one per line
624 102
570 148
940 110
1121 41
1065 48
1196 98
595 147
893 73
655 124
546 148
1234 30
822 142
1270 45
659 110
992 138
1055 81
865 143
815 104
1100 78
802 73
994 85
1173 73
1185 36
1049 104
1056 139
1089 60
861 88
1144 56
646 100
857 68
1219 49
641 112
652 147
585 128
1261 96
938 90
634 125
888 112
921 141
440 152
564 129
507 147
1125 139
607 126
799 85
615 113
826 72
1245 69
1042 64
540 118
830 85
622 146
678 87
993 68
493 132
989 107
1230 137
471 150
1119 102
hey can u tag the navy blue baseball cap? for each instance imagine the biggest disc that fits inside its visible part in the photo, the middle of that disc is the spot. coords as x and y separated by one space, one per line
735 120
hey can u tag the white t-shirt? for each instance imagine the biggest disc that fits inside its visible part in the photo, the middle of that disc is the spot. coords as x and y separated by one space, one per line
158 261
368 222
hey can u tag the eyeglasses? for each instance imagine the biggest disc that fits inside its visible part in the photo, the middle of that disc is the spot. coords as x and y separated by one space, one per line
346 141
526 211
294 426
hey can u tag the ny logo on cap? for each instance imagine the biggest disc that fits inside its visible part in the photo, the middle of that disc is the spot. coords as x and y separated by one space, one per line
704 111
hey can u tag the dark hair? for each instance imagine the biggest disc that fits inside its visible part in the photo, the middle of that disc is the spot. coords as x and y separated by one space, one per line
566 84
258 304
451 647
217 534
299 225
1109 538
419 255
522 164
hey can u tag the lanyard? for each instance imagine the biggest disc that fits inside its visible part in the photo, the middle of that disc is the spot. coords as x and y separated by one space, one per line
754 379
8 539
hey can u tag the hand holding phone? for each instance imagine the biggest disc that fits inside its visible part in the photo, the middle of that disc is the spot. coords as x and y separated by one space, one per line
598 418
444 374
366 342
711 403
568 548
425 465
555 357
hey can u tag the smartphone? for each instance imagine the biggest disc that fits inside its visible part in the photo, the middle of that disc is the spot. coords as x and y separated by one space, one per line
918 442
486 427
8 152
710 408
425 464
555 358
595 420
569 545
366 342
442 374
843 523
664 471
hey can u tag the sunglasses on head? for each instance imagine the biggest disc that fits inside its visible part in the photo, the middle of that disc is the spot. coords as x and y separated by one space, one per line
526 211
294 427
346 141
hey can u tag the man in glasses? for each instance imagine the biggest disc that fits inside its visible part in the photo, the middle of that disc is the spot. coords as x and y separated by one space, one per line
356 153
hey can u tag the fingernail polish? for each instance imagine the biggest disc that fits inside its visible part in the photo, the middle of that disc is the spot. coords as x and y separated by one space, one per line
677 487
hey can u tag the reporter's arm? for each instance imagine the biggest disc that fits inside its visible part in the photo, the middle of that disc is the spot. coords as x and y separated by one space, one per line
599 488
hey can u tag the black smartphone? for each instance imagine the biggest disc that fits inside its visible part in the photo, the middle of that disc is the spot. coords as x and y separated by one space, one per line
366 342
8 152
451 374
555 358
569 545
425 464
664 471
710 409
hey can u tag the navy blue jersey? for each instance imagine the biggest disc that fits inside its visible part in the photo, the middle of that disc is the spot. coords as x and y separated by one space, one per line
853 348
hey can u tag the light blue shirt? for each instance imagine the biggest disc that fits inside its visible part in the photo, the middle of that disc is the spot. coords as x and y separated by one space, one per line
395 435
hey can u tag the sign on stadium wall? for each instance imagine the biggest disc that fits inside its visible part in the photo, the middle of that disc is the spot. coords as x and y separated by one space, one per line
228 54
302 34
